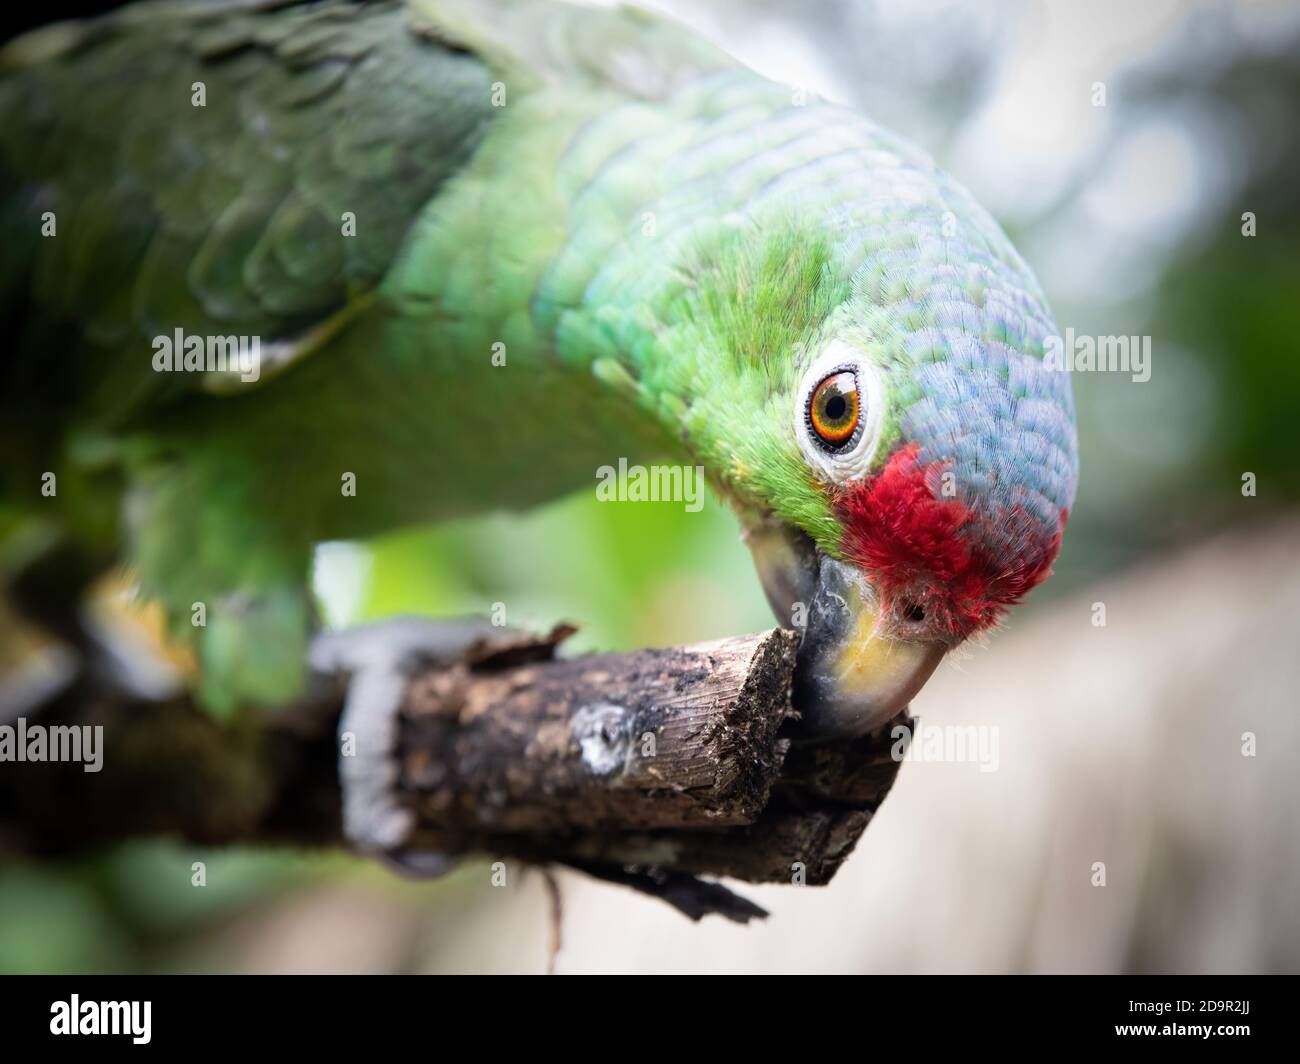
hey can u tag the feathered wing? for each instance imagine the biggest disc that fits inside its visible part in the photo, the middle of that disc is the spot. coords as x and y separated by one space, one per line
192 167
199 164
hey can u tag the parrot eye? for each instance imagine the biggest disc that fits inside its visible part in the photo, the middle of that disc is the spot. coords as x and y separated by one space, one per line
840 413
833 410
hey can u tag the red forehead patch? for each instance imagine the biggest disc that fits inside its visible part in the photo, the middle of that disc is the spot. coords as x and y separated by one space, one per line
930 550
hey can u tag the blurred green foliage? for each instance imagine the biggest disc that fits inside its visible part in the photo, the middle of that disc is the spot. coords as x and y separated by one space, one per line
629 574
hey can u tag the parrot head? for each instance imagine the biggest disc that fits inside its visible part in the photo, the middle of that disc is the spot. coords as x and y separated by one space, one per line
910 467
850 347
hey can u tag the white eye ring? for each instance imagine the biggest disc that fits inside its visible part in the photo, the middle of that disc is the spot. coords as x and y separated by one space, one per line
854 462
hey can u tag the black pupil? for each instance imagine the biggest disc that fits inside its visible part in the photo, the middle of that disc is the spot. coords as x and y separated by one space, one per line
836 407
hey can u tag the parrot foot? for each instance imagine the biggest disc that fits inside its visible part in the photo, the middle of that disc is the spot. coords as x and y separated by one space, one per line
380 659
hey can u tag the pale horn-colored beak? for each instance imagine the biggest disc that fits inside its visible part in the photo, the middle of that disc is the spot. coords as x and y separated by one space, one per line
851 675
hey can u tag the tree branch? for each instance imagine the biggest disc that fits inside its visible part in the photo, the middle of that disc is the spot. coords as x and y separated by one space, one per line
648 768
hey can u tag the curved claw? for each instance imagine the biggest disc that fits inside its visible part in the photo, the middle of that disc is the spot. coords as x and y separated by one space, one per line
381 658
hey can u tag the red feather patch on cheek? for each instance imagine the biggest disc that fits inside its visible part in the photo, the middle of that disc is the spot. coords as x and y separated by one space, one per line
928 551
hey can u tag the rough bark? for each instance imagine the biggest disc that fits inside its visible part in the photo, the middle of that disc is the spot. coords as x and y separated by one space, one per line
648 768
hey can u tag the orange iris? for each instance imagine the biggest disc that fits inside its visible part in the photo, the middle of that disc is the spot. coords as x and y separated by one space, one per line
833 410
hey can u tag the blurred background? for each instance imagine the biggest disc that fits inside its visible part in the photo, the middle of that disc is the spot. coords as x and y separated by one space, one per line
1119 744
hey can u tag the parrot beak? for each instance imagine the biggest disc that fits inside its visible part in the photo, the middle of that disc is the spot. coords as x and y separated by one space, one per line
851 676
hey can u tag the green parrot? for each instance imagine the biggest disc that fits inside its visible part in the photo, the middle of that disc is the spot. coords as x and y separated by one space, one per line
278 273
